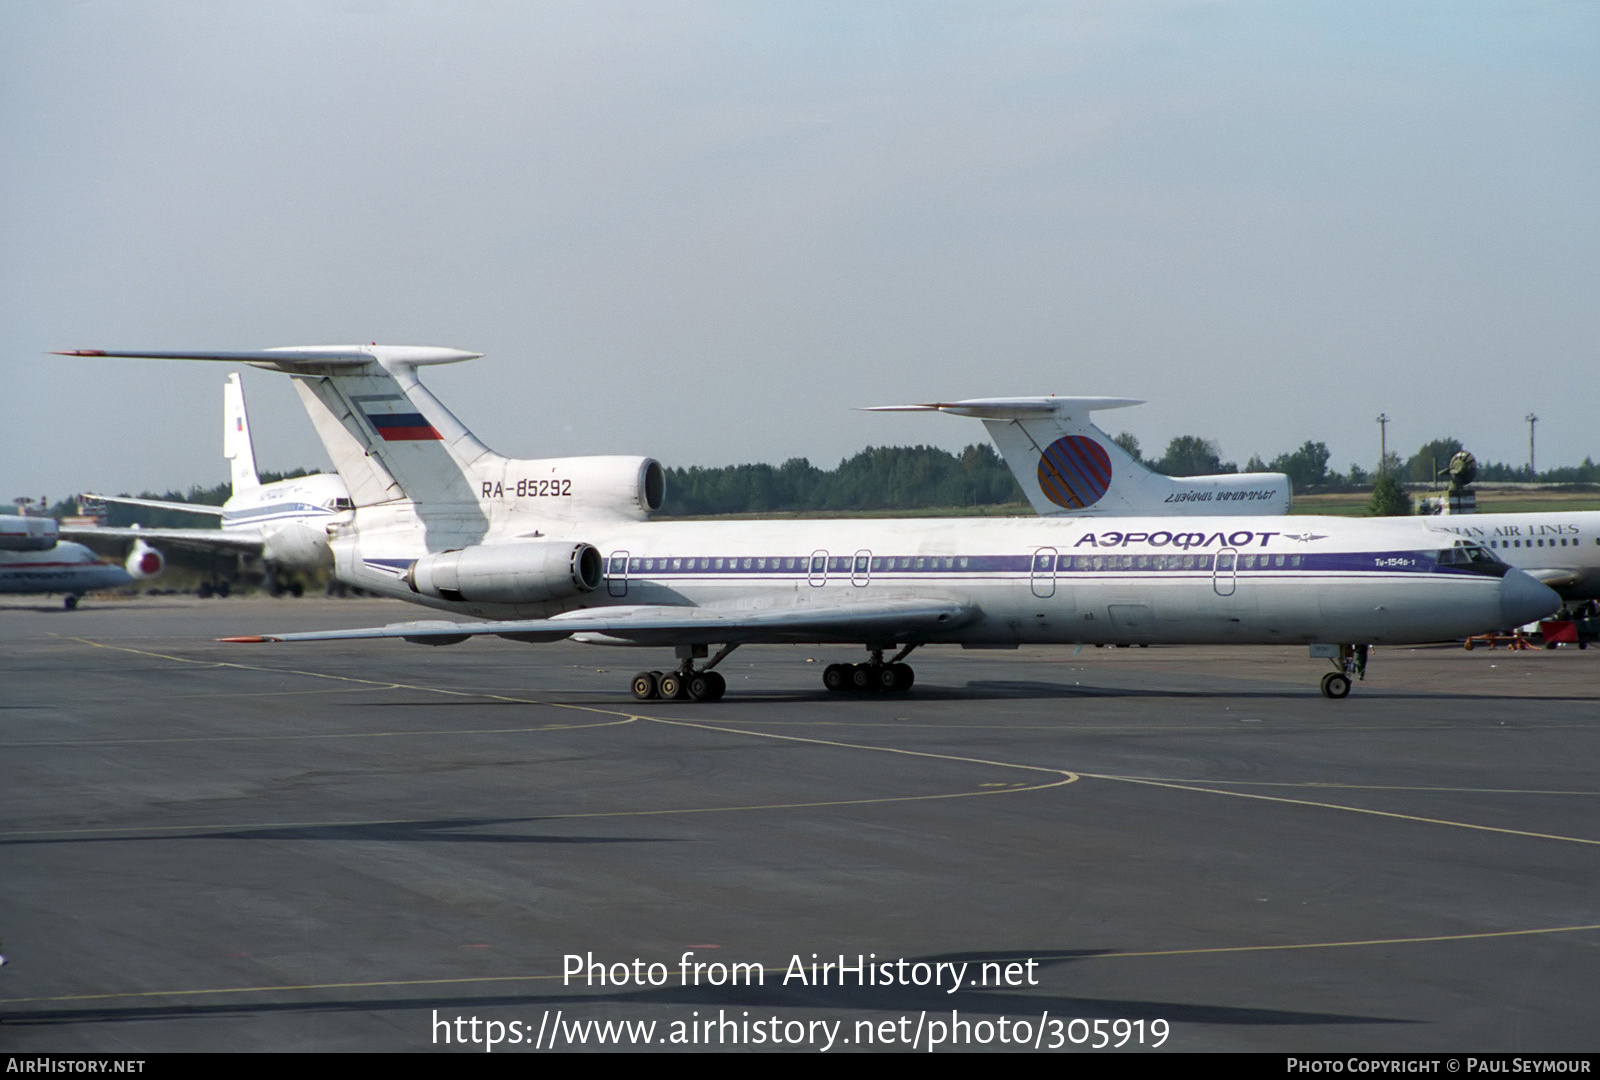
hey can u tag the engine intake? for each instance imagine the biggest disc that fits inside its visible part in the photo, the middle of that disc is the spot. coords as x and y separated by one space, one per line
517 573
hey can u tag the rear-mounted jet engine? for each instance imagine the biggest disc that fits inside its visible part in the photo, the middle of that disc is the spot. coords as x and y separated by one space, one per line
521 573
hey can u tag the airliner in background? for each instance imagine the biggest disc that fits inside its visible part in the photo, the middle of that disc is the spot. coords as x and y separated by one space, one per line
545 549
1067 465
34 559
1559 548
284 524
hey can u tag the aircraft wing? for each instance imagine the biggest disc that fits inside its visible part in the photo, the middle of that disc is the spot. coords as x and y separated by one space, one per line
896 621
159 504
1554 577
235 540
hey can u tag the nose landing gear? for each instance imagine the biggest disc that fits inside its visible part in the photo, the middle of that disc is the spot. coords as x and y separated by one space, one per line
1350 662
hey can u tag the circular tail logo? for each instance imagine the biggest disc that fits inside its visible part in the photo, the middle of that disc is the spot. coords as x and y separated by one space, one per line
1074 472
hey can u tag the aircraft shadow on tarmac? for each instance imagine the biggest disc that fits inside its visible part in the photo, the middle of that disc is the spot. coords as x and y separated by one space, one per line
988 690
444 830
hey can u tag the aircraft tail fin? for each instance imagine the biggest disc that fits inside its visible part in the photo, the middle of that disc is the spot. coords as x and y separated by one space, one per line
236 444
1066 465
389 437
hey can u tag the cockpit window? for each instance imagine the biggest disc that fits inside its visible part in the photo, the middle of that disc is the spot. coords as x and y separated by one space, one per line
1473 556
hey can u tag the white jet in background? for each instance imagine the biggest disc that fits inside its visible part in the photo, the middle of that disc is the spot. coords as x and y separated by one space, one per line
284 524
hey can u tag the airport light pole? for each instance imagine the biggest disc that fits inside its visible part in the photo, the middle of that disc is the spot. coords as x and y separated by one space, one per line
1383 444
1532 471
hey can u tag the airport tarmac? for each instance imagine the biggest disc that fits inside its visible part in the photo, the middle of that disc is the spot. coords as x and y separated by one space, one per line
352 846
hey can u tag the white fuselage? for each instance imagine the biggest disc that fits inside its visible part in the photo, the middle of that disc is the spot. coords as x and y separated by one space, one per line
291 517
1130 580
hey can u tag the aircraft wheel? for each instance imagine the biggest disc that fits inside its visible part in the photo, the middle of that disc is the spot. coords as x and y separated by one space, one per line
904 676
836 677
862 677
705 686
70 603
204 591
224 588
674 687
1335 685
297 590
645 686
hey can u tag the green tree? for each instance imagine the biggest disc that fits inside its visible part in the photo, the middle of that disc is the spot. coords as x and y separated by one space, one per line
1306 467
1389 499
1129 442
1425 464
1190 455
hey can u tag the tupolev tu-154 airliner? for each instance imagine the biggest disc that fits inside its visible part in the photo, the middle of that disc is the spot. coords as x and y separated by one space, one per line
540 550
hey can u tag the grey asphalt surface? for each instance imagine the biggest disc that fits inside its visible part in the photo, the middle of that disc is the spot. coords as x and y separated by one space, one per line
298 847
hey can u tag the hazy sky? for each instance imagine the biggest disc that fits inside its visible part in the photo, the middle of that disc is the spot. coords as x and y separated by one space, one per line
709 231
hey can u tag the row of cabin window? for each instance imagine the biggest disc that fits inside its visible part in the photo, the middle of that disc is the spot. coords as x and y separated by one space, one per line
1538 543
884 564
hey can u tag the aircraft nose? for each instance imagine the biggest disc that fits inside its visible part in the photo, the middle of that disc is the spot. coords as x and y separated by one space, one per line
1524 598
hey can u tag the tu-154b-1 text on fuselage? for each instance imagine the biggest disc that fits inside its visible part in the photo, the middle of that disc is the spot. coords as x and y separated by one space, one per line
546 549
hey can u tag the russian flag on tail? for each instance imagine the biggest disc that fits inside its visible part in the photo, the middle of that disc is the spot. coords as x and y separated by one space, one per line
401 427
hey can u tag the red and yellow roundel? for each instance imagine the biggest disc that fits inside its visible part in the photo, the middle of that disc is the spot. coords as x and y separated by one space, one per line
1074 472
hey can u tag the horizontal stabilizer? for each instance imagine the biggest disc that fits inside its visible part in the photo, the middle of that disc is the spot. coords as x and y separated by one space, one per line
1013 408
301 357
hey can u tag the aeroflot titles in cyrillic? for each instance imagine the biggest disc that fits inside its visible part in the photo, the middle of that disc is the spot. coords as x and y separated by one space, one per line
1184 540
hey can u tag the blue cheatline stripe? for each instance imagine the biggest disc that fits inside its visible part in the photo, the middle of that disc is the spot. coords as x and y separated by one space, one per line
1407 562
268 513
799 566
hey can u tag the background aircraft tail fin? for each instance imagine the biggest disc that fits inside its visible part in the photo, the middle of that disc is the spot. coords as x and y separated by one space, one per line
236 444
1066 465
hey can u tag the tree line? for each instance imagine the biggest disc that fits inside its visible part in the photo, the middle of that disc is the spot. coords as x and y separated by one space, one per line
890 478
1307 467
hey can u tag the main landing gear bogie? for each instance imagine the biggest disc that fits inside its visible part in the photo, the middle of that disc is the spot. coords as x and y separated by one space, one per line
895 678
874 676
679 686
